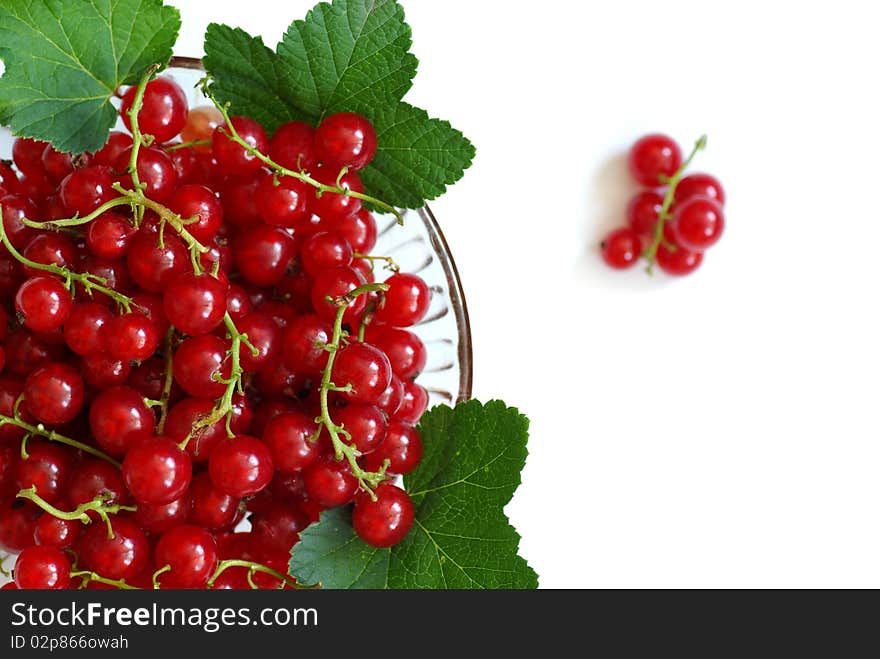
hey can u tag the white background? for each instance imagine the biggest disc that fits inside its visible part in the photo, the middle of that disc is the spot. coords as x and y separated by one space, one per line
720 430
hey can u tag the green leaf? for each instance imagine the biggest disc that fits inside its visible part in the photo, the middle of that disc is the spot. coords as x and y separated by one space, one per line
336 558
351 55
471 466
247 75
417 157
66 58
348 56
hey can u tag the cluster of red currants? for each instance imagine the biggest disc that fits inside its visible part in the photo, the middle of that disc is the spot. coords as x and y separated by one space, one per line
178 340
674 220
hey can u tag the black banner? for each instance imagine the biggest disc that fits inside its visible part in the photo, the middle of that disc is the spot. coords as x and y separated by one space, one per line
369 623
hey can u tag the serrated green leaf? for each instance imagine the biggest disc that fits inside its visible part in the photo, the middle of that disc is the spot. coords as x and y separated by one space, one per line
471 466
417 157
351 55
332 541
348 56
65 59
247 75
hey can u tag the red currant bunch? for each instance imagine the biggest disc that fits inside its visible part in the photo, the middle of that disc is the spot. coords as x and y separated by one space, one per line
194 353
674 219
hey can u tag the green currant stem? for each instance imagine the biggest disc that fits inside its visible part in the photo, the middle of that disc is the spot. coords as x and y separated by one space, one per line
77 221
183 145
53 436
253 567
157 573
94 576
390 263
6 573
98 505
303 176
651 253
367 480
88 281
167 383
137 136
233 384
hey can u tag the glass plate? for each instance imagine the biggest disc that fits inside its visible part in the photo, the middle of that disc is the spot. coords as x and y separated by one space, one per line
418 247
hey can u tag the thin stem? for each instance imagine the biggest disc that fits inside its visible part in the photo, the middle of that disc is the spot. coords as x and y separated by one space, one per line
88 576
85 219
98 505
136 135
651 253
157 573
168 382
183 145
253 567
224 407
367 480
390 264
303 176
87 280
53 436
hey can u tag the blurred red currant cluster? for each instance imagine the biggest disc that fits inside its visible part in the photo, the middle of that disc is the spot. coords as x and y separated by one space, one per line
165 376
675 219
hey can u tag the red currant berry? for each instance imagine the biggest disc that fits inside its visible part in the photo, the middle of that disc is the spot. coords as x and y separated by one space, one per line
404 349
234 159
131 336
124 556
292 146
365 369
277 528
56 532
402 448
333 283
156 471
54 393
643 212
97 478
345 139
337 204
303 343
212 508
198 363
654 159
154 266
385 521
699 185
329 482
28 155
284 202
120 419
263 254
290 438
164 110
108 155
16 209
197 201
365 423
84 190
621 248
195 304
406 301
42 568
241 466
44 303
47 468
414 403
697 224
676 260
109 235
159 519
264 335
191 553
155 170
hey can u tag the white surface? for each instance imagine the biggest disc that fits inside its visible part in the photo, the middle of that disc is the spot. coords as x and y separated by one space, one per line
714 431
